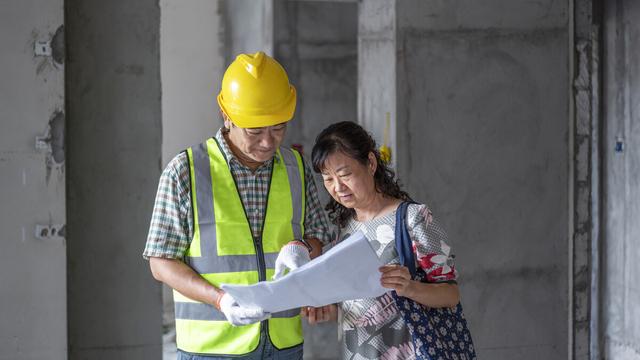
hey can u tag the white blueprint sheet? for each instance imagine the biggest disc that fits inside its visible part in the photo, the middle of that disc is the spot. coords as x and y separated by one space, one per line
347 271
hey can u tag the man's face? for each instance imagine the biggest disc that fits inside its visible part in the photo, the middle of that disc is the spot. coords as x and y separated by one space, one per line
257 144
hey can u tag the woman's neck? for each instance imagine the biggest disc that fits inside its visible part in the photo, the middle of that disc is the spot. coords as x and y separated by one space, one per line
377 206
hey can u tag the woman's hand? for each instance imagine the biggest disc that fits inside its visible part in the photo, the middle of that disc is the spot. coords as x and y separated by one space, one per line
436 295
398 278
316 315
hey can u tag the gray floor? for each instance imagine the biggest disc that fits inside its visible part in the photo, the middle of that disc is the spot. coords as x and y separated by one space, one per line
169 345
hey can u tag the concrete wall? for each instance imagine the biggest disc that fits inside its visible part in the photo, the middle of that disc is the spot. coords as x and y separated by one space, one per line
33 306
482 136
114 160
316 42
621 302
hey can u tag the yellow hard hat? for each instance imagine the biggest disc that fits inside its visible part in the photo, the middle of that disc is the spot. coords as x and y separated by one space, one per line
256 92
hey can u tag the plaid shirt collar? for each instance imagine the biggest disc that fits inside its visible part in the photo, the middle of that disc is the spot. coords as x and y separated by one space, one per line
233 160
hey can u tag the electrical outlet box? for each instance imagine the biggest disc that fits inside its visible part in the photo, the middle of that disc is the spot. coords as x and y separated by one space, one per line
50 232
42 48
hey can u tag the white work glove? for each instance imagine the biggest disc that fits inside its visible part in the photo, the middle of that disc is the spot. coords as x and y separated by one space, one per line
291 256
238 315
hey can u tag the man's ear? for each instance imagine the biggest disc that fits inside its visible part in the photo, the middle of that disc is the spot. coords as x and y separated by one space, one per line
226 120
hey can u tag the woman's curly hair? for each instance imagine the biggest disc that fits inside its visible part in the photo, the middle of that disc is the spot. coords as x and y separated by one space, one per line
354 141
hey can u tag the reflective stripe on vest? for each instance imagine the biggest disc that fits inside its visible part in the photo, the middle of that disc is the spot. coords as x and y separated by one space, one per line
223 249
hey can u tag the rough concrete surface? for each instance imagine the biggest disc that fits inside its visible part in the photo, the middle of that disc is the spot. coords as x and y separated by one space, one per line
33 300
316 43
477 111
482 105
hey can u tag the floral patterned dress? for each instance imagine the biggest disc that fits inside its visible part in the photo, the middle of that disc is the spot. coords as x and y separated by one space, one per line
373 328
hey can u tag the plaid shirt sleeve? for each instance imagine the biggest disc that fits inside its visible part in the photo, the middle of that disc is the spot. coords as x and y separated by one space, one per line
315 219
170 228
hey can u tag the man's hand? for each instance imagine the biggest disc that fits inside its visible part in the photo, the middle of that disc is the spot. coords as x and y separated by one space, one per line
291 256
316 315
238 315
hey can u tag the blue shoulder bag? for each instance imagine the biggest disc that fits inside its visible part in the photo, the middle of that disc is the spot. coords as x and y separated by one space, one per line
436 333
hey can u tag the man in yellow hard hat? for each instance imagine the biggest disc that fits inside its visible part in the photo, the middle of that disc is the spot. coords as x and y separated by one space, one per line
237 209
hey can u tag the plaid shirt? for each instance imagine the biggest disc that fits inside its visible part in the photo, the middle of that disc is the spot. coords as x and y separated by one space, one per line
171 226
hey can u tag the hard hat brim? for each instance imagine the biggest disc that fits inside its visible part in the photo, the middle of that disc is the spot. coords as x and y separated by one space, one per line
284 114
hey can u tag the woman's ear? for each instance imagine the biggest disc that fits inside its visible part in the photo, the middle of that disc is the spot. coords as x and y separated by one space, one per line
373 163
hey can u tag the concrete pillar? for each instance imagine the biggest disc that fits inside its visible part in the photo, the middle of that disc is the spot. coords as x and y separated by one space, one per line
586 190
481 123
249 27
192 43
621 183
114 158
377 71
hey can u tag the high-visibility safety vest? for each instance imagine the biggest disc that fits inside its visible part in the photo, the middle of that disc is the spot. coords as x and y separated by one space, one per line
223 250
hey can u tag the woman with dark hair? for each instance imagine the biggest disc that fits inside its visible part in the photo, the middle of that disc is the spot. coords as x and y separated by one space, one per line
365 196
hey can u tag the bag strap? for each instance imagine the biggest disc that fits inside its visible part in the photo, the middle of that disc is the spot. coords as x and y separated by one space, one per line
404 245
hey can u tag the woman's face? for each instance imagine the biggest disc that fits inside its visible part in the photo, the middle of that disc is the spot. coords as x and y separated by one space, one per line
348 181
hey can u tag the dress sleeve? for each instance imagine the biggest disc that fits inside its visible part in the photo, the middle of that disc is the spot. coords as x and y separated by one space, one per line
433 254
